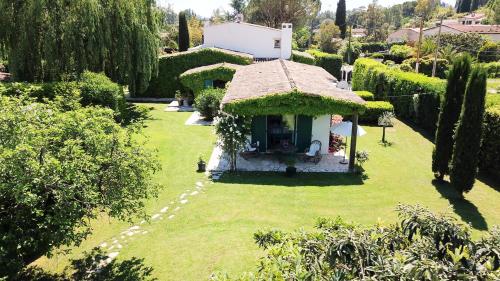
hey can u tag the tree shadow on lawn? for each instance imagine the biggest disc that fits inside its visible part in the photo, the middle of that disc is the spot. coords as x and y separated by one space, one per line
461 206
300 179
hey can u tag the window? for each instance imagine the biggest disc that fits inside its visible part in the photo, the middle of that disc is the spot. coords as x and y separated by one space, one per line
277 43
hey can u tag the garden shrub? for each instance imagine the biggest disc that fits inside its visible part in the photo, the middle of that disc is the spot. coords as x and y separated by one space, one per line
208 102
195 81
355 48
330 62
426 65
493 69
373 47
172 66
398 53
415 97
374 109
98 89
377 56
303 57
489 52
490 148
367 96
421 245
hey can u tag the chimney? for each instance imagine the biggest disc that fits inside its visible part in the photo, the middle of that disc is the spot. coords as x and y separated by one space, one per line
286 40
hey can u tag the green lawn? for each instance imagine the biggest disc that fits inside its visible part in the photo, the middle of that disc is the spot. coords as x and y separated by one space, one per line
493 85
214 230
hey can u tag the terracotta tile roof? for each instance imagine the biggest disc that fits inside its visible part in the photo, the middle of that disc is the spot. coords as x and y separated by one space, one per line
210 67
476 28
283 76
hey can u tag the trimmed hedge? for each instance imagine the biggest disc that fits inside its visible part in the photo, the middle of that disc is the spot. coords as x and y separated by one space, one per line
415 97
196 81
367 96
373 47
303 57
172 66
374 109
426 65
490 148
493 69
330 62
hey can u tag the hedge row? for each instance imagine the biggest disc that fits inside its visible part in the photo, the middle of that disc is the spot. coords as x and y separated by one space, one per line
493 69
415 97
303 57
374 109
172 66
373 47
426 66
367 96
490 148
330 62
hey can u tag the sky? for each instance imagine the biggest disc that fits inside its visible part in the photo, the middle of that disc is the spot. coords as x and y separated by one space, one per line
205 7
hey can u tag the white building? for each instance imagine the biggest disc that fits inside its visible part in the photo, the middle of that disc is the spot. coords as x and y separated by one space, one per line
260 41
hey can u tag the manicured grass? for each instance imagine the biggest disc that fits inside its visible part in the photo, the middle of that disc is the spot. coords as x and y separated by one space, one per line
493 85
214 230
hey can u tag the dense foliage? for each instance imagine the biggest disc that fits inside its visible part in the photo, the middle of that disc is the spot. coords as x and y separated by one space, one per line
415 96
493 69
60 168
400 52
50 40
372 47
330 62
489 52
426 65
373 111
490 147
208 102
293 103
422 246
461 42
273 13
195 81
89 90
340 18
468 134
327 37
450 111
172 66
183 33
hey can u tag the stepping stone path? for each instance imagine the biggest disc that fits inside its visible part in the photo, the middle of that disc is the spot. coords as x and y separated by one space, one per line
116 243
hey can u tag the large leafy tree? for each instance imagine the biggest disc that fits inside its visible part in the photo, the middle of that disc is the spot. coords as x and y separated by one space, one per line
58 170
49 40
340 18
273 13
448 116
327 32
376 28
464 163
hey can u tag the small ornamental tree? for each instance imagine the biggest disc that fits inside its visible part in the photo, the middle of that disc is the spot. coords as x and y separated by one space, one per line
386 120
232 132
468 134
340 18
450 111
183 33
208 102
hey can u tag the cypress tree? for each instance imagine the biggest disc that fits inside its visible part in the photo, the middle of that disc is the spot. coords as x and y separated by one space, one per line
448 116
340 18
464 163
474 5
183 33
464 6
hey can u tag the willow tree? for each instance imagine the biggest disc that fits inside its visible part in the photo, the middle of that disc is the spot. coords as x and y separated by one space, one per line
58 39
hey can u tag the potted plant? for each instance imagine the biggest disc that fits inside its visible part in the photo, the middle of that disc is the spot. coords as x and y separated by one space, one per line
201 164
291 170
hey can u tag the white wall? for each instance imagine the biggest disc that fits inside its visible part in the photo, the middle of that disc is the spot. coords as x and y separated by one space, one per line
248 38
321 131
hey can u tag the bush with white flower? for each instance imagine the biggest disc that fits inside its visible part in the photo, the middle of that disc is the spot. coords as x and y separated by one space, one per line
232 131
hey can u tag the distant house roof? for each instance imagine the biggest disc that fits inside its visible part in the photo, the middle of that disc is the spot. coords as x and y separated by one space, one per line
474 16
475 28
282 77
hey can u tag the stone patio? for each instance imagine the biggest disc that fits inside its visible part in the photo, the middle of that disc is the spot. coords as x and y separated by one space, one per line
219 162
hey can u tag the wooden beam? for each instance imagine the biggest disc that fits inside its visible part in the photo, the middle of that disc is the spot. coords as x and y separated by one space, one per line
354 137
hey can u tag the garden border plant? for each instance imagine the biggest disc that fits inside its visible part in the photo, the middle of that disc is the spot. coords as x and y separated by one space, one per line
195 80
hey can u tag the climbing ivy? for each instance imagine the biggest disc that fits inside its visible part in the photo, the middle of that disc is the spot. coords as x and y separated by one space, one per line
293 102
195 81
